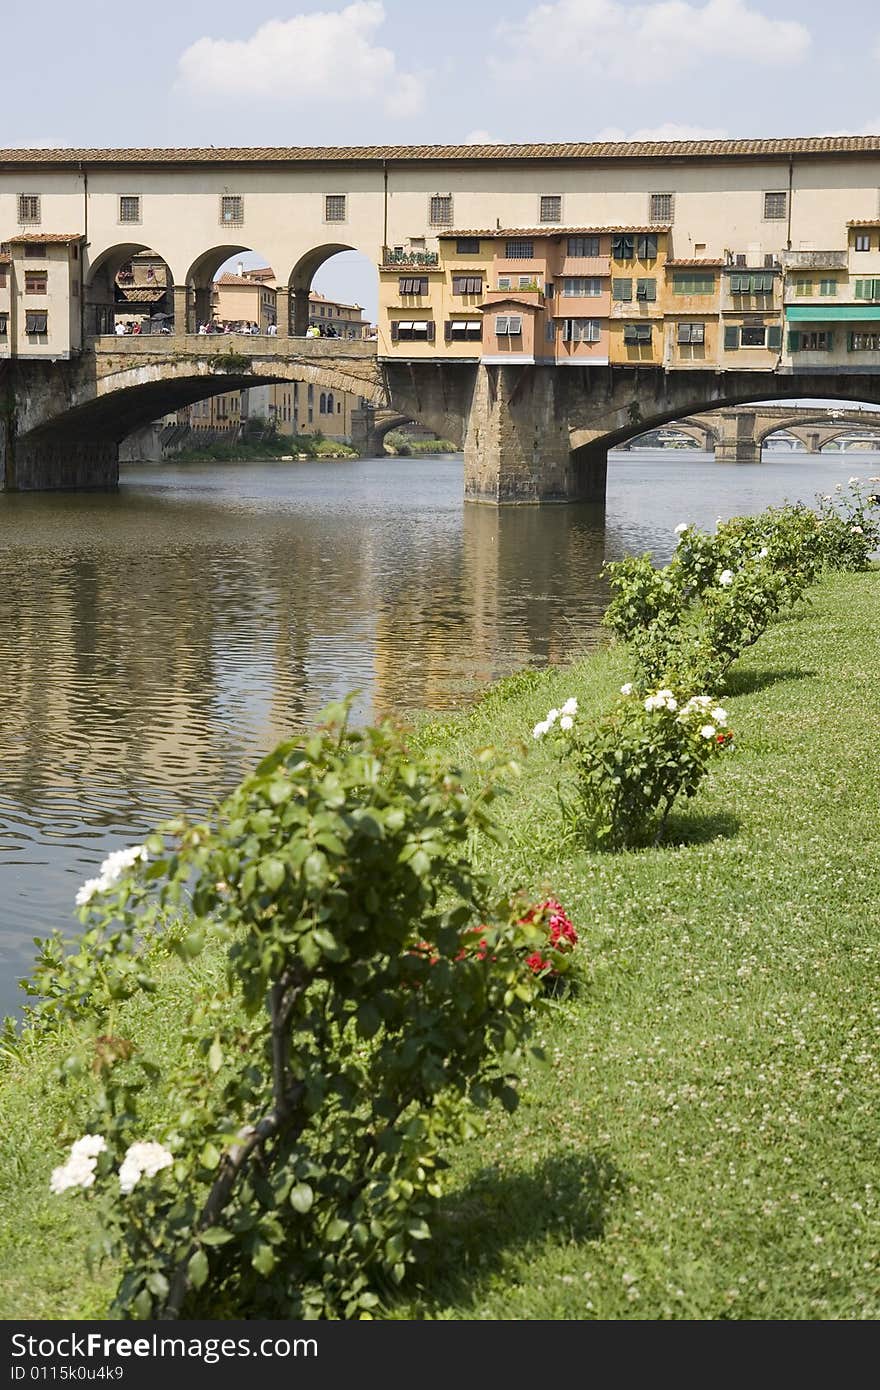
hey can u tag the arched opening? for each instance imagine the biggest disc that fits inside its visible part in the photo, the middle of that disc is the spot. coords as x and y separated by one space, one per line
334 293
231 289
129 289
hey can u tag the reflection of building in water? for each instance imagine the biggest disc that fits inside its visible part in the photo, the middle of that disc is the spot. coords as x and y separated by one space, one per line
478 613
161 665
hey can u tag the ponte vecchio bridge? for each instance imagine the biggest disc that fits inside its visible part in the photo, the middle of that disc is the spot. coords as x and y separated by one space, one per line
539 304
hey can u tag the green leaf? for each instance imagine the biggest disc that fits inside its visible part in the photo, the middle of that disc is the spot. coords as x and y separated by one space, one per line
271 872
197 1269
210 1156
215 1235
263 1259
215 1056
192 944
143 1305
279 792
301 1198
157 1284
336 1229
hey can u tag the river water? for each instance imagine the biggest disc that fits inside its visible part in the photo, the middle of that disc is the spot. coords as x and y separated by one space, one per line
156 641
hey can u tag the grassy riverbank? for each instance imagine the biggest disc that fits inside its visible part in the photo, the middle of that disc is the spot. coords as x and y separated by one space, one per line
701 1142
258 451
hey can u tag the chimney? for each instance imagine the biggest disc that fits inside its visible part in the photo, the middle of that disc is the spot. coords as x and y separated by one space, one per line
241 270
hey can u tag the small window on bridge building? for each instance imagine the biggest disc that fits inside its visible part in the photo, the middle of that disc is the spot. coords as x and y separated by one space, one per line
508 325
36 322
753 335
231 210
662 207
621 289
36 281
827 287
636 333
467 284
468 246
581 331
550 208
130 207
440 210
520 249
691 332
334 207
413 284
775 207
622 247
646 289
4 325
35 250
863 242
646 247
583 246
28 208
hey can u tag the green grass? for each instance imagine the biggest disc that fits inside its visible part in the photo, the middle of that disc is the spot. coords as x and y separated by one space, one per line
257 451
701 1142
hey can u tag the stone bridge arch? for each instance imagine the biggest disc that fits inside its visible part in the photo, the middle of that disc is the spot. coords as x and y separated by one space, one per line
99 283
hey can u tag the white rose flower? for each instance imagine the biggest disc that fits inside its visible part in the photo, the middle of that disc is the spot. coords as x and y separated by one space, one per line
857 530
540 729
566 722
626 689
88 890
145 1158
89 1146
570 706
681 528
725 578
763 553
708 731
671 703
854 480
719 715
79 1170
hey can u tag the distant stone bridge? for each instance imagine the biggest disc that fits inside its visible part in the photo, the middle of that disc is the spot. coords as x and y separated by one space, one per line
737 435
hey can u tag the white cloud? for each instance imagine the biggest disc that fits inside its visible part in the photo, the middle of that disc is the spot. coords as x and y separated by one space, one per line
871 127
479 137
645 42
329 55
668 131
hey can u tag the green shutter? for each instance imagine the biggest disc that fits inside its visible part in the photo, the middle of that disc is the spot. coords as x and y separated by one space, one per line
731 337
621 289
860 289
849 341
794 340
774 336
829 340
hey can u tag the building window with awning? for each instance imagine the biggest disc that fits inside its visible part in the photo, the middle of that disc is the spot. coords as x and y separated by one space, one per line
36 322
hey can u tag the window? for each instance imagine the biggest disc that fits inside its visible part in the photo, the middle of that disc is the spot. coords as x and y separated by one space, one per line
28 207
692 333
463 330
330 403
753 335
661 207
636 333
621 289
130 208
622 247
581 286
550 208
775 207
2 278
581 330
4 325
803 288
36 321
334 207
467 284
828 287
520 250
504 282
867 289
231 210
440 210
508 325
731 336
583 246
692 282
468 246
35 250
862 242
819 341
646 247
646 289
413 284
405 331
36 281
760 283
863 342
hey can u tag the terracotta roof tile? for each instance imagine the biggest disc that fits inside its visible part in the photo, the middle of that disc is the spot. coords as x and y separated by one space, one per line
777 148
695 260
45 237
549 231
865 222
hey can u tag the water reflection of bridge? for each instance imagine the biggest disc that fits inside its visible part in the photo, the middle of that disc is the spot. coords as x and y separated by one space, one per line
739 433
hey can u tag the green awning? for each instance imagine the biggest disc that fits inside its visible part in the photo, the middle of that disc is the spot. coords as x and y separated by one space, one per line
832 313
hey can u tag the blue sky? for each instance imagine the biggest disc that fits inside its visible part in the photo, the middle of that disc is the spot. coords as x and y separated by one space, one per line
286 72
